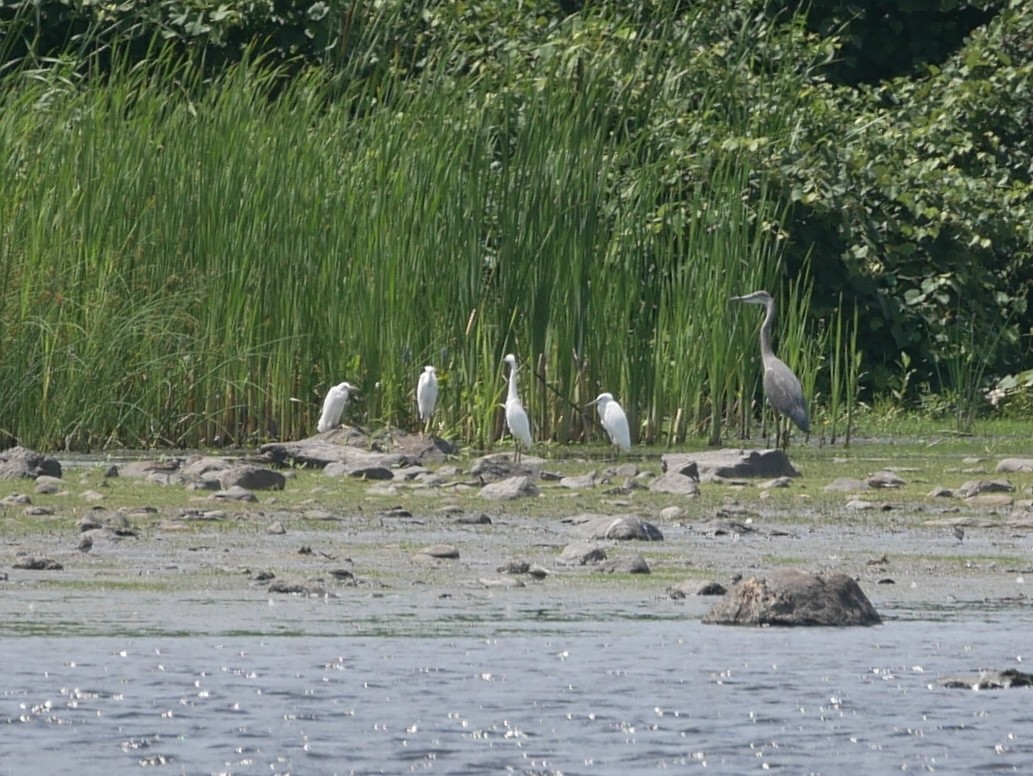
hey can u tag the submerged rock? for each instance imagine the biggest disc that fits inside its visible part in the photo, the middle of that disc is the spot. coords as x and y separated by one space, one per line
792 598
990 680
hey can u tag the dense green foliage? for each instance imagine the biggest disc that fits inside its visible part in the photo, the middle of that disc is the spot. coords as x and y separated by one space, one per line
187 248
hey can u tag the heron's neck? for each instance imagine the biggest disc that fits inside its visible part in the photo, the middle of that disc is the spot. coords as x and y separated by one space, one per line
765 330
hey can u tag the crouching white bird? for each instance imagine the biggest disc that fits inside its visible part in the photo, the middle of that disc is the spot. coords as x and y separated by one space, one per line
516 417
612 416
427 394
333 406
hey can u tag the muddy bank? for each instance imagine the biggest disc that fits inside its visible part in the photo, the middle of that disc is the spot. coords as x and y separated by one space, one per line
154 551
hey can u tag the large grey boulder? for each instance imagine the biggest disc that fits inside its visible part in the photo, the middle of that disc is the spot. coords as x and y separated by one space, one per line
730 464
615 528
352 446
251 478
21 462
512 488
501 466
793 597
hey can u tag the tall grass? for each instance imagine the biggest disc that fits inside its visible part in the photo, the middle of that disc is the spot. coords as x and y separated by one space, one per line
189 263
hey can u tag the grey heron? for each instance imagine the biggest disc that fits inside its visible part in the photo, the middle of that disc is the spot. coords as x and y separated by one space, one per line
782 388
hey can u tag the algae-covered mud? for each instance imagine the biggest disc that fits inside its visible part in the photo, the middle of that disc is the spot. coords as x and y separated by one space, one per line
925 526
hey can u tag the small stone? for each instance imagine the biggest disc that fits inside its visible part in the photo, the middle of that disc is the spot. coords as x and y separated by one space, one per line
445 551
276 528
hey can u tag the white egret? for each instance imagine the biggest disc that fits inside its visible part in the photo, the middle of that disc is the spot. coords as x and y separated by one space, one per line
516 417
427 394
612 416
782 388
333 406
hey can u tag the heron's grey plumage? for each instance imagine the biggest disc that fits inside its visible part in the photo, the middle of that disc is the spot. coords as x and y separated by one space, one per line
782 388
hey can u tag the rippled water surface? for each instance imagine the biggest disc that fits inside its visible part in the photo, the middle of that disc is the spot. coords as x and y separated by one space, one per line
520 692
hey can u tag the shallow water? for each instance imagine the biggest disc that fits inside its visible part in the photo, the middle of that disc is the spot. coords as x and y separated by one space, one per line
510 687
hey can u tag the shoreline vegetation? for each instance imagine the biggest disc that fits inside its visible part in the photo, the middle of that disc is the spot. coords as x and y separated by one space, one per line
192 257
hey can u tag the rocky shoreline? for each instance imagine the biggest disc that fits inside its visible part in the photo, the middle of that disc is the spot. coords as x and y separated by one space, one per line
344 515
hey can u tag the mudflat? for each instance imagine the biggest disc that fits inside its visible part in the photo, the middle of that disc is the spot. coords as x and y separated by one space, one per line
97 550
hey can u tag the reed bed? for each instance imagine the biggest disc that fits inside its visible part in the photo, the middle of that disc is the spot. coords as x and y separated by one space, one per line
189 264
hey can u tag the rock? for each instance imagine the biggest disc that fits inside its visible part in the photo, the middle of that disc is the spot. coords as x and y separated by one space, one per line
481 519
21 462
362 471
940 492
619 527
731 464
885 479
711 588
860 505
501 582
501 466
251 478
721 527
778 482
514 567
580 482
236 493
676 484
197 466
350 445
15 500
275 528
582 553
671 513
446 551
47 485
631 565
297 588
1015 465
791 597
977 487
37 563
990 680
846 484
163 472
512 488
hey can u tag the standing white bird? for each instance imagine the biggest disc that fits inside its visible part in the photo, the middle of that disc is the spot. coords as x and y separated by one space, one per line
516 417
333 406
427 394
612 416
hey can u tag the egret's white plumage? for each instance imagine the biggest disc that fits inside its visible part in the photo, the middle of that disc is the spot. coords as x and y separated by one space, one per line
612 416
516 417
333 406
427 392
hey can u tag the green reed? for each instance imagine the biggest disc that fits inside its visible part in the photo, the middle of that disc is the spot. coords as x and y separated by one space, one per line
190 263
